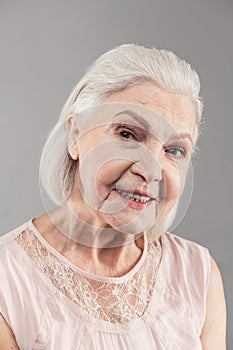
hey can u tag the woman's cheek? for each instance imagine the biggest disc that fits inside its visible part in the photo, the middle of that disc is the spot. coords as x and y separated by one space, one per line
170 191
109 173
99 174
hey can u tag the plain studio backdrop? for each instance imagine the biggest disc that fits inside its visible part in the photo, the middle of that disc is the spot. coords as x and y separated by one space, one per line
45 47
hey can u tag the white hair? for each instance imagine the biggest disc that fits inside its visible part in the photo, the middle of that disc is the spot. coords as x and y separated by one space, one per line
115 70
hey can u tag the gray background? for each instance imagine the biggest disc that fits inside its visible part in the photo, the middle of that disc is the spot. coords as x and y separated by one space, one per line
46 46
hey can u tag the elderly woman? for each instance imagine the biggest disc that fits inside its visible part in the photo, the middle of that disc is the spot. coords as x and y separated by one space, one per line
99 271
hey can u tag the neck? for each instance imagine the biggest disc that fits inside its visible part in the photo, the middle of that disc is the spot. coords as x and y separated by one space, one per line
98 250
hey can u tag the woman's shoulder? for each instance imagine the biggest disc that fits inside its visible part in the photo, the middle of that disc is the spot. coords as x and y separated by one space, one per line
9 236
184 275
184 246
188 256
21 284
189 261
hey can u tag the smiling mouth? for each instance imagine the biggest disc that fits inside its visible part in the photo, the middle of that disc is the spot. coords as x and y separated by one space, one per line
135 196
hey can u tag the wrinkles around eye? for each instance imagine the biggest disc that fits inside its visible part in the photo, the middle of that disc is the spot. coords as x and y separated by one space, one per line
130 132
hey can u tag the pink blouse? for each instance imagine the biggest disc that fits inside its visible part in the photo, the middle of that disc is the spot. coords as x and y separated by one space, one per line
51 304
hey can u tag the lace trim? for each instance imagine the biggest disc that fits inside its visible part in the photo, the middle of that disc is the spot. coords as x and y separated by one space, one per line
111 302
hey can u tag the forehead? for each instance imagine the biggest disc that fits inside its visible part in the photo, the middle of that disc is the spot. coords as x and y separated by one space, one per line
176 109
148 107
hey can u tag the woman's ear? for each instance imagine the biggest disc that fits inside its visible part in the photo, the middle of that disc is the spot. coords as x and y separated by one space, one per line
72 137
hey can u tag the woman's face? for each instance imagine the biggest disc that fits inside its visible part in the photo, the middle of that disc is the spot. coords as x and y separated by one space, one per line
133 154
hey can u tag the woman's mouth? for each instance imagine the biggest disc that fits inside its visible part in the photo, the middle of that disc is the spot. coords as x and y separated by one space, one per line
135 197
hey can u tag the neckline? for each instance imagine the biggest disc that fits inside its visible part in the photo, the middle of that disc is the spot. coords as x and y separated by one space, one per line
99 278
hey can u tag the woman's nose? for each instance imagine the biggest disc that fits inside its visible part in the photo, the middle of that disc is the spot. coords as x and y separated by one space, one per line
147 167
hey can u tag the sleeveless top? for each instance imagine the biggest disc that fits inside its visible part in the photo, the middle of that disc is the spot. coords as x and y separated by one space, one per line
50 303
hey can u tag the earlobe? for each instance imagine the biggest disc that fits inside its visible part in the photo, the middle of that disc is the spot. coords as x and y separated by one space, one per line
73 153
72 137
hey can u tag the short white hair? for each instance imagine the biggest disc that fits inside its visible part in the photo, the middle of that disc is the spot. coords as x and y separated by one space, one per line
114 71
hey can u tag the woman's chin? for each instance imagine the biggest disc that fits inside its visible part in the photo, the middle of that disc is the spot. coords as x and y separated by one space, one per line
131 221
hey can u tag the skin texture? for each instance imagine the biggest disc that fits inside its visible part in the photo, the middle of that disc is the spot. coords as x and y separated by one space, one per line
7 339
213 335
139 162
174 110
179 112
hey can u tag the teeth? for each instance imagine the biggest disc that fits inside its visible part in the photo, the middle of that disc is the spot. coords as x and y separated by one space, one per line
135 197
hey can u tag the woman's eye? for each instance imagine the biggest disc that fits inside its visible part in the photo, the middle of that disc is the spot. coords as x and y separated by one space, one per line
176 152
127 135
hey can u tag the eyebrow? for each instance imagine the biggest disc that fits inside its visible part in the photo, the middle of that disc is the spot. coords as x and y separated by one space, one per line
134 116
181 136
146 125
